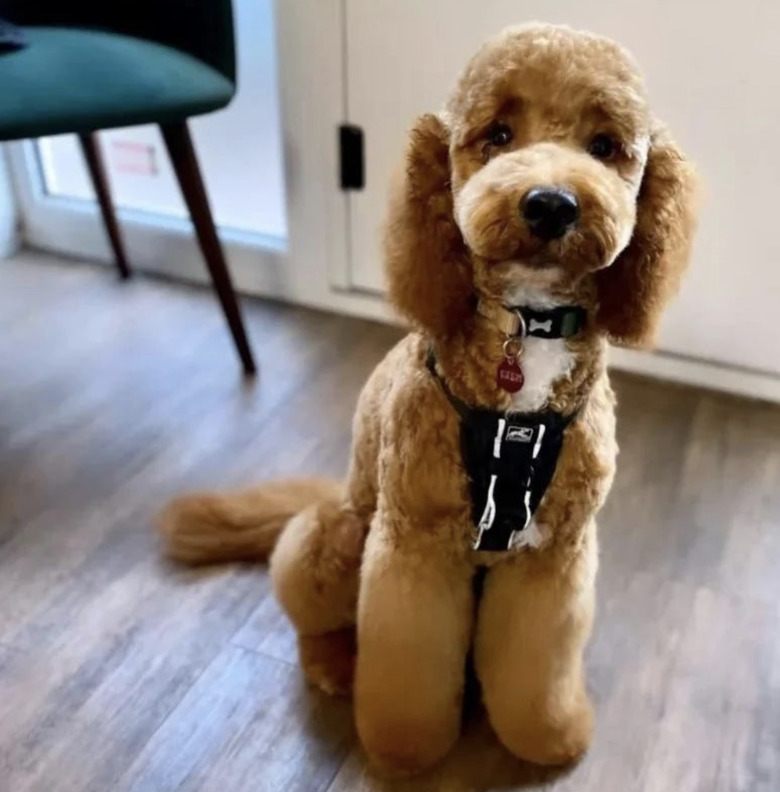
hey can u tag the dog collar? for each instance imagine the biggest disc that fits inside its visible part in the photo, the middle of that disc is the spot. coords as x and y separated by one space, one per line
519 321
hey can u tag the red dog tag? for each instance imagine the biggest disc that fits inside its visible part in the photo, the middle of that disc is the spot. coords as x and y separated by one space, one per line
509 375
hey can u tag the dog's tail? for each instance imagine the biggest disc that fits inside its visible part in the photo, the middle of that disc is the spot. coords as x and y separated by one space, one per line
242 526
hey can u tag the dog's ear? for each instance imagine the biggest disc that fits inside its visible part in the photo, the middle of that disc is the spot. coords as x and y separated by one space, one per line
427 262
634 290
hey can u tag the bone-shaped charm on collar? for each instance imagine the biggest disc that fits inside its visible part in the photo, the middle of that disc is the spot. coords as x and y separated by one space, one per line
537 325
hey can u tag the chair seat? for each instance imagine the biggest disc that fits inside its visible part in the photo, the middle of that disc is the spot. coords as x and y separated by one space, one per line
73 80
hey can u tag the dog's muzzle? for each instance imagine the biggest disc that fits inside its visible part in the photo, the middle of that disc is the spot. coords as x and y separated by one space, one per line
550 212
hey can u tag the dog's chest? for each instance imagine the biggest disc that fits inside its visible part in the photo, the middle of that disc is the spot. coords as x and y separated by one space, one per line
510 473
544 361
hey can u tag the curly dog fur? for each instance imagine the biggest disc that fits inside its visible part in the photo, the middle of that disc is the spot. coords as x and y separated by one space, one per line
388 556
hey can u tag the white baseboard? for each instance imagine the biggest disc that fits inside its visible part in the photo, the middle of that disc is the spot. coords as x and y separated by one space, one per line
702 373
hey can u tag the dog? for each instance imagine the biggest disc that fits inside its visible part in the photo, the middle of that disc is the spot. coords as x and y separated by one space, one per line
542 215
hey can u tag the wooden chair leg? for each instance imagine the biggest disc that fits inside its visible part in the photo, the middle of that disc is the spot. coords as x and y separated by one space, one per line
185 164
97 171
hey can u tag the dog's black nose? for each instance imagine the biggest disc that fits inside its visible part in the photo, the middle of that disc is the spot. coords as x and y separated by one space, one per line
550 211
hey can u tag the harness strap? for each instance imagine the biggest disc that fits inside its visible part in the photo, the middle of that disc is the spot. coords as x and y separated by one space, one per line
459 405
510 460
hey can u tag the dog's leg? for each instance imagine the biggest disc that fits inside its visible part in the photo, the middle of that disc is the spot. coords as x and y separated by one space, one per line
316 564
533 623
314 570
414 628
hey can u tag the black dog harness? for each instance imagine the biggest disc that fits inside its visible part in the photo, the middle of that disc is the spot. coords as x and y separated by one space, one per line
510 458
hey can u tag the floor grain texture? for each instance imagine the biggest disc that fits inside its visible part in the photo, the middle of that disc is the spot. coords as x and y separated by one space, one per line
118 672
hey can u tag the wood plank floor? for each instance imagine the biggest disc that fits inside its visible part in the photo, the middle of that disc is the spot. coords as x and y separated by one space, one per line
118 672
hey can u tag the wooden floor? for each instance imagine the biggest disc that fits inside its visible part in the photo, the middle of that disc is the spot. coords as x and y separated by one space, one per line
118 672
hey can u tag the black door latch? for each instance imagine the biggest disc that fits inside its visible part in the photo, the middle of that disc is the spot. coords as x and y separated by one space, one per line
353 169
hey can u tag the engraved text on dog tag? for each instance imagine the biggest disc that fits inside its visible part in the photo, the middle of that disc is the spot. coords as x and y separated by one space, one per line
509 376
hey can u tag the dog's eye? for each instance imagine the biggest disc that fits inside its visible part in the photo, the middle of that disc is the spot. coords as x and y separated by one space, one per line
500 135
603 147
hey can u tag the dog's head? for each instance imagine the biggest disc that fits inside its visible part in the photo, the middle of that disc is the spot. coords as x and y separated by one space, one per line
545 168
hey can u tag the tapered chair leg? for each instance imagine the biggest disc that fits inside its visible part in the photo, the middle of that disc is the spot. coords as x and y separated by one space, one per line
185 164
97 171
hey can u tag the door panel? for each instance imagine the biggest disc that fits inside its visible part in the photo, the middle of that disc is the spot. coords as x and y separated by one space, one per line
713 74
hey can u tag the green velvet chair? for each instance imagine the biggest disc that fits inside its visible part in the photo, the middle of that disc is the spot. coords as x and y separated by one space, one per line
97 64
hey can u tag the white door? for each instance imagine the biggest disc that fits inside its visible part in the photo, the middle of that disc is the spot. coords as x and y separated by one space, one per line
713 71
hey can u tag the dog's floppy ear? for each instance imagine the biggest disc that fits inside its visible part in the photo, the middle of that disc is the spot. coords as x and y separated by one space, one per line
634 290
427 262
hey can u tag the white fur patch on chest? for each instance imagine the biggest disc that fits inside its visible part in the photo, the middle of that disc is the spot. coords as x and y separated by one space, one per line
544 361
531 536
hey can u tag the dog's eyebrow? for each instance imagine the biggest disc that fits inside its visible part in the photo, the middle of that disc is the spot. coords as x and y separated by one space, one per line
510 106
488 114
623 117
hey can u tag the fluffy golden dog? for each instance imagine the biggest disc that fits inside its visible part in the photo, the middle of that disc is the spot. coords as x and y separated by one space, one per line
545 182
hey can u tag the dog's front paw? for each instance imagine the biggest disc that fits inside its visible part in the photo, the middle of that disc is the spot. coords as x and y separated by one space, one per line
407 746
403 757
549 740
